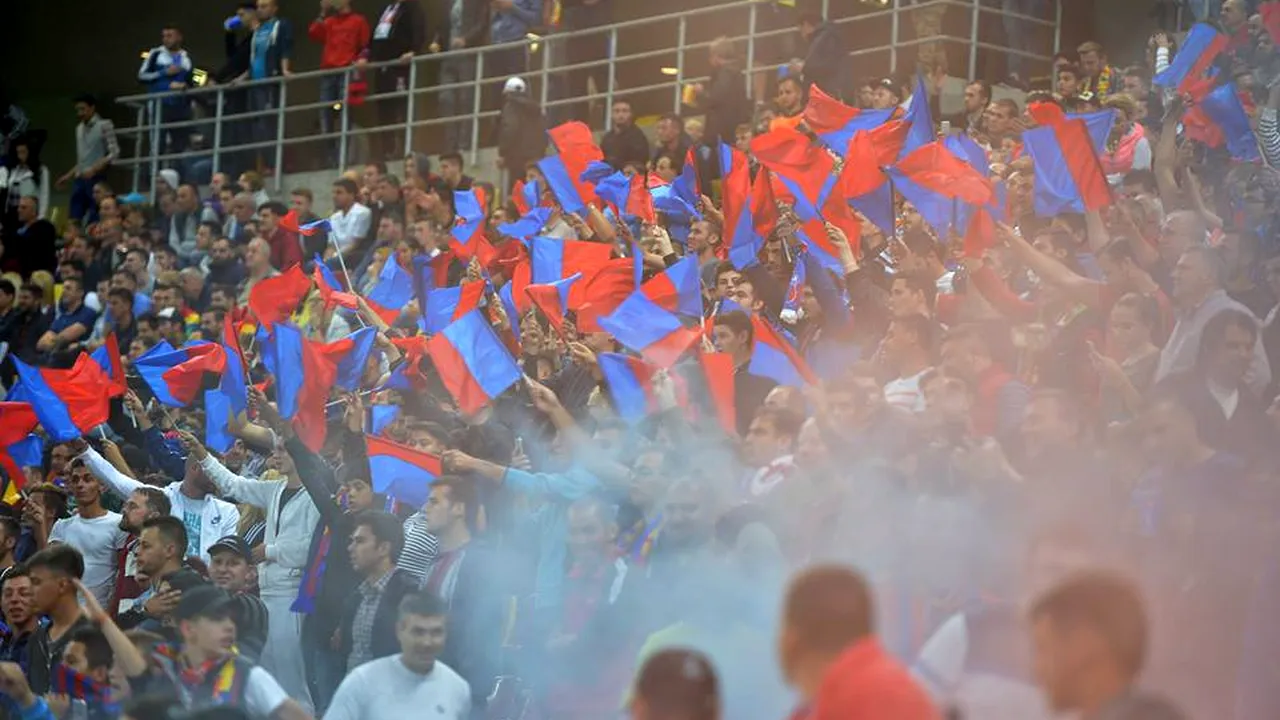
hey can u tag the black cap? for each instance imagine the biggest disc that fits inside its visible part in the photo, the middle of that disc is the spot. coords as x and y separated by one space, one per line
232 544
205 601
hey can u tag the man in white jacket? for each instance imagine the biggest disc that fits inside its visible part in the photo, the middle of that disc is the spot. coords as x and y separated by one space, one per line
282 558
193 499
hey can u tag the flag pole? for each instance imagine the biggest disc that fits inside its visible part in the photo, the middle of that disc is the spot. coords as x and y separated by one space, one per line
342 263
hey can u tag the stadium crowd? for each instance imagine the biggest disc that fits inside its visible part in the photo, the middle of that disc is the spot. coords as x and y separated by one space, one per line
554 449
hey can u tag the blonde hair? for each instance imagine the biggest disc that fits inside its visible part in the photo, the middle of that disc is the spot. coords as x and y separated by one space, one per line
1123 103
1091 47
43 279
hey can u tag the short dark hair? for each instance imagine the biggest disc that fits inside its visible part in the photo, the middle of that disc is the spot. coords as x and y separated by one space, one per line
829 607
670 116
920 242
55 498
303 192
276 207
214 228
386 528
171 529
122 294
97 651
784 421
1215 331
62 559
85 98
7 287
157 501
347 184
738 322
423 604
921 283
460 491
453 156
925 330
378 165
1107 604
12 528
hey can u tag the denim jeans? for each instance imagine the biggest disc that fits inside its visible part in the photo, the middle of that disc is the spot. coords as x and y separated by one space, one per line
82 204
1022 35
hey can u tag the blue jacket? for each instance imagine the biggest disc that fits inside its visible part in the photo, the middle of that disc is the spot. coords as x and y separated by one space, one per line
154 72
514 24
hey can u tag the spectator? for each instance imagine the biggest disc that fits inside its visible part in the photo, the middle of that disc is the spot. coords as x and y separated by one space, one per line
183 227
624 143
733 334
301 201
117 319
231 568
676 683
270 56
825 55
392 686
511 21
1099 78
344 36
250 182
400 33
368 629
71 326
16 606
236 228
671 140
286 250
908 351
23 175
522 137
166 68
724 99
977 96
96 149
54 572
451 170
465 26
31 243
350 222
590 49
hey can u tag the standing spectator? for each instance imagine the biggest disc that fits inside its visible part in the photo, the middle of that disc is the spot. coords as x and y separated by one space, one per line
166 68
344 35
94 532
670 137
1100 78
724 99
238 46
270 56
400 34
369 619
53 572
624 143
512 21
829 652
96 149
465 26
826 57
31 243
286 251
522 136
23 175
400 686
592 49
350 221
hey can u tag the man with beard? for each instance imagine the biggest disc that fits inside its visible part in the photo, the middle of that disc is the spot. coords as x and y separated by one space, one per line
160 556
142 505
193 499
93 531
223 266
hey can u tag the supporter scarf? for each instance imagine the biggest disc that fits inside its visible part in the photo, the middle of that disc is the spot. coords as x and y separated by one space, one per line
82 687
637 542
1120 160
309 588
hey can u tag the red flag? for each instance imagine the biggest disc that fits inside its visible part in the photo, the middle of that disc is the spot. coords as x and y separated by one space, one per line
117 383
861 173
276 298
790 154
936 169
888 141
603 292
1046 113
1270 13
718 370
577 149
824 113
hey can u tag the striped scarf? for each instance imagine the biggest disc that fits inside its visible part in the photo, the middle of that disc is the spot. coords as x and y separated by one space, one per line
82 687
309 588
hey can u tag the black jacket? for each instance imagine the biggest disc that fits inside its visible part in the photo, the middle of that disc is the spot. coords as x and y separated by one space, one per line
727 105
825 61
476 613
522 132
628 145
408 33
475 23
383 641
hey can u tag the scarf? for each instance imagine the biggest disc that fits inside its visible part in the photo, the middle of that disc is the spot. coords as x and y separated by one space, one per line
1120 160
223 686
313 577
82 687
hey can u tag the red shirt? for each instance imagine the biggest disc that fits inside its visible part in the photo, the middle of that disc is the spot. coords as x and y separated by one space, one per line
285 249
344 36
866 683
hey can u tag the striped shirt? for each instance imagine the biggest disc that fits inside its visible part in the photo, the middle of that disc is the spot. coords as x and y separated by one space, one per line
420 548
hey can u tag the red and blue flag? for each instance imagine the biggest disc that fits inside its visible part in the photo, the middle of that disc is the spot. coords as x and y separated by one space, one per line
276 298
739 234
445 305
472 362
400 471
773 357
68 403
552 299
393 291
643 327
1192 70
178 377
1068 176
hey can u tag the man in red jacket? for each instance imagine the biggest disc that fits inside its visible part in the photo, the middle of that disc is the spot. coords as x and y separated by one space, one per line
829 653
344 34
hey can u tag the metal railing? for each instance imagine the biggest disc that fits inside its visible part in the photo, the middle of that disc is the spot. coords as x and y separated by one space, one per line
150 129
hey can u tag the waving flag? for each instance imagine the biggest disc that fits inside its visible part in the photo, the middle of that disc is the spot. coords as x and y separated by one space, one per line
806 169
835 123
289 222
677 288
630 384
68 402
717 372
562 184
393 291
1068 176
530 224
400 471
551 260
739 236
330 289
773 357
224 404
178 377
577 150
680 198
527 195
920 131
445 305
509 306
932 178
276 298
1192 69
553 300
306 372
1220 119
472 362
99 698
108 358
645 328
17 423
468 234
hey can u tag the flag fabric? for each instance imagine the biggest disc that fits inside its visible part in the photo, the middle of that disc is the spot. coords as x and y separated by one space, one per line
289 221
472 362
224 404
445 305
643 327
1191 70
551 259
393 291
17 421
1270 13
835 123
468 234
629 381
276 298
601 293
68 403
1220 119
330 289
400 471
806 169
307 371
577 150
920 131
563 186
177 377
527 195
739 236
718 375
932 178
509 306
108 358
381 416
350 355
529 224
677 288
552 299
97 696
773 357
1068 176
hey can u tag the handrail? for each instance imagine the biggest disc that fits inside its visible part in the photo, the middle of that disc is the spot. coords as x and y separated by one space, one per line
150 127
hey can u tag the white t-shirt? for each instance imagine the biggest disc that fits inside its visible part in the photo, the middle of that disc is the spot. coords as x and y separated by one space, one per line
905 392
99 540
385 689
262 694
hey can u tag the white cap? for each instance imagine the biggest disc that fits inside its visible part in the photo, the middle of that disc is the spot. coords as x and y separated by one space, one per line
514 85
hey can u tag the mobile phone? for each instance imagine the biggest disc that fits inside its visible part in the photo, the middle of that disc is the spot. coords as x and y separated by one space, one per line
945 128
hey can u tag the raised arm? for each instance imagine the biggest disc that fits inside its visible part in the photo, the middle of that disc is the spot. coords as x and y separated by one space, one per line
1081 288
255 492
118 482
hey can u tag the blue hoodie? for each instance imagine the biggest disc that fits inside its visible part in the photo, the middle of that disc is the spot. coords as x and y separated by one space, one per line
154 72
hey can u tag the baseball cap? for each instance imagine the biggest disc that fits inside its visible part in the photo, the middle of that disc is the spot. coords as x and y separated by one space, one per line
205 600
233 544
514 85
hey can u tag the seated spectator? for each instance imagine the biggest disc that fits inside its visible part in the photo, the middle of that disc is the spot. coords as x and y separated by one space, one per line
30 243
72 325
286 250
